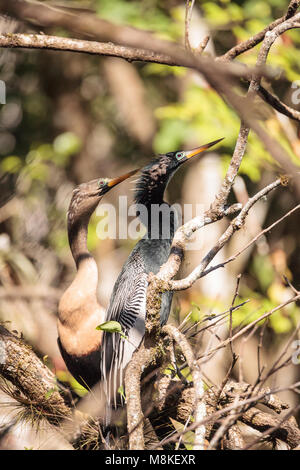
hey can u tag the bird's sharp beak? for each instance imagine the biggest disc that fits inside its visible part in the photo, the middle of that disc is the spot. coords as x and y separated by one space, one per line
118 180
198 150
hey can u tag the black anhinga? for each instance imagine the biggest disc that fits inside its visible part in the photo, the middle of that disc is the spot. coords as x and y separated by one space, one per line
79 311
128 300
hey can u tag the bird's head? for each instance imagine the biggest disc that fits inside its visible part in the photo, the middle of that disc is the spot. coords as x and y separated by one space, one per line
177 158
156 175
87 196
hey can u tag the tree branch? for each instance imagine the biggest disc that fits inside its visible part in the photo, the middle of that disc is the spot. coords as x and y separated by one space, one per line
20 365
235 225
278 105
257 38
200 409
56 43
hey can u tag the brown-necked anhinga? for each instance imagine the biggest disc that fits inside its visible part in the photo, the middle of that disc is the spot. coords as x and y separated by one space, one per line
79 312
128 300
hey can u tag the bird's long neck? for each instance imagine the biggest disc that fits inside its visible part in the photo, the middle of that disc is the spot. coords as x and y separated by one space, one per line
151 186
152 210
77 233
86 279
79 312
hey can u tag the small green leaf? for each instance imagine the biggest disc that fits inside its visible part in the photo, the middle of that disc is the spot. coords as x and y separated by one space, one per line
121 392
188 437
111 327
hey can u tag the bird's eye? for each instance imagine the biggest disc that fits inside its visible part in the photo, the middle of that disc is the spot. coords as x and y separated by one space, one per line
101 183
180 155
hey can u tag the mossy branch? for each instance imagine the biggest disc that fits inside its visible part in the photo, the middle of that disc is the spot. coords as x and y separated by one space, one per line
31 377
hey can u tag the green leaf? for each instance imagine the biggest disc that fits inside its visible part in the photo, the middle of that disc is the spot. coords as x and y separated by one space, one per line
110 326
122 392
188 437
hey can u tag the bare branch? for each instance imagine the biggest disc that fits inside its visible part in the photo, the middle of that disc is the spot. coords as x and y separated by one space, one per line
202 45
188 16
278 105
252 324
235 225
285 429
233 439
254 239
220 413
56 43
257 38
233 169
135 418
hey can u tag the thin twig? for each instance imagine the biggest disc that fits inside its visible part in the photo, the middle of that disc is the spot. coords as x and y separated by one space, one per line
254 239
257 38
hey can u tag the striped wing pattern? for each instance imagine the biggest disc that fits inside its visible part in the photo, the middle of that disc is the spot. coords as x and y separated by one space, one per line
129 309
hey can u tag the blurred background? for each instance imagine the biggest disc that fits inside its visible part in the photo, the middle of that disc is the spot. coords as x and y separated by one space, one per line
69 118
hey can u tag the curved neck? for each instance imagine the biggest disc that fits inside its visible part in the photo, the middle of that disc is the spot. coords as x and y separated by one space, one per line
86 279
155 214
85 282
77 234
80 299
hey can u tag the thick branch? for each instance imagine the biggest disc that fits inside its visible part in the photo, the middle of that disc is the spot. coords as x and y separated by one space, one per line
200 409
286 431
135 417
20 365
56 43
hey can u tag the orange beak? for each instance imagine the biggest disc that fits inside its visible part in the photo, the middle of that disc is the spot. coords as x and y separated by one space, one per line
198 150
118 180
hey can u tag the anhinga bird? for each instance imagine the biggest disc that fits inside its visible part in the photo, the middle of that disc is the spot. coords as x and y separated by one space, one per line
128 300
79 311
